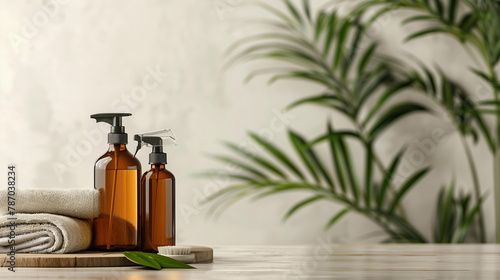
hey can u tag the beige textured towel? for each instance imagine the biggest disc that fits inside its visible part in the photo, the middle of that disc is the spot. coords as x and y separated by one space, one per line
78 203
45 233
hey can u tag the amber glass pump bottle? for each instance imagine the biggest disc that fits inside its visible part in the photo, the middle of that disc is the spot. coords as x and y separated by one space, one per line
116 177
157 193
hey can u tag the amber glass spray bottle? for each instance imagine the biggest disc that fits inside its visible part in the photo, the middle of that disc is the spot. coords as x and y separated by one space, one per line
157 206
116 177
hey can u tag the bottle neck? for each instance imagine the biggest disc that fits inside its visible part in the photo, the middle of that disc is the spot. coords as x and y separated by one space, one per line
158 166
117 147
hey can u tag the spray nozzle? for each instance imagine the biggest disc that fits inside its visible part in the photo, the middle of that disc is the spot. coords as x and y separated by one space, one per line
117 133
157 140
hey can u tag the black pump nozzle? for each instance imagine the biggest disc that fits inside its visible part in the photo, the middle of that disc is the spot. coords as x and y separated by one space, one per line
157 156
157 140
117 133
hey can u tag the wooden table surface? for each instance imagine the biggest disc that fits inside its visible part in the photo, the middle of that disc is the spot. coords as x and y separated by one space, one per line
368 261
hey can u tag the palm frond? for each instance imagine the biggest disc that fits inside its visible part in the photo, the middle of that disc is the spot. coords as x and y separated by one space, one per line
355 194
454 216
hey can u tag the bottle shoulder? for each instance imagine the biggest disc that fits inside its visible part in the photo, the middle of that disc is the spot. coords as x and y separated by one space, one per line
159 173
121 159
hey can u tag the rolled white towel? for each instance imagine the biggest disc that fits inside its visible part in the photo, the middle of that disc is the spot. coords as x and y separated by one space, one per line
78 203
45 233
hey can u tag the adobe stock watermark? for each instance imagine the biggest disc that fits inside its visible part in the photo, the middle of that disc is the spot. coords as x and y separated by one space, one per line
30 27
482 91
222 7
220 179
419 152
323 250
73 155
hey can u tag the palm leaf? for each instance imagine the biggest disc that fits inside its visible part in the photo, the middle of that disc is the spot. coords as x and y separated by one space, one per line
425 32
407 185
454 216
307 9
332 23
382 100
368 175
278 154
387 181
337 162
257 159
300 147
302 204
341 39
351 56
321 22
336 218
461 233
393 114
294 12
326 99
310 159
241 165
367 56
349 168
374 80
452 10
439 7
289 21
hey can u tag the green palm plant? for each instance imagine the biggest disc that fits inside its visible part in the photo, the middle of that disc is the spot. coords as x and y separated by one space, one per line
358 83
474 24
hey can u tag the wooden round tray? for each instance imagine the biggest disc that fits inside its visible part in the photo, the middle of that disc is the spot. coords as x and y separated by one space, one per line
91 259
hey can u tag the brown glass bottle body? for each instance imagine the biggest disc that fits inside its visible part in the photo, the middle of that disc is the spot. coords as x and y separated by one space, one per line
157 208
117 178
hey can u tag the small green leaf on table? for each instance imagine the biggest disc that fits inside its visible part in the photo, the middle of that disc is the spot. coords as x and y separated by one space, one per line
167 262
154 261
142 259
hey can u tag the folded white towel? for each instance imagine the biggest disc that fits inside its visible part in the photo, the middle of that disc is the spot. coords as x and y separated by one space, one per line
45 233
78 203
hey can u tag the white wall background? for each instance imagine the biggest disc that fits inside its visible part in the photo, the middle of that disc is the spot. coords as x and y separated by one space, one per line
62 61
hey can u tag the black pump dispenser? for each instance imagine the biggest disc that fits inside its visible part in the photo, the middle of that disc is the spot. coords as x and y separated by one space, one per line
117 133
117 177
